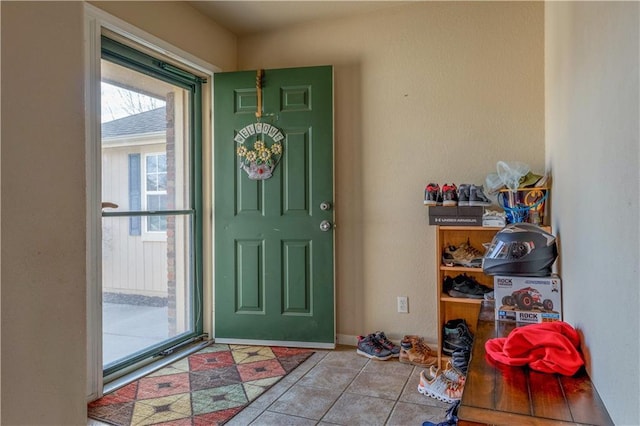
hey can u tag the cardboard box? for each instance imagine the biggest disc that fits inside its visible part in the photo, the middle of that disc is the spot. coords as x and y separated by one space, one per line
528 299
458 216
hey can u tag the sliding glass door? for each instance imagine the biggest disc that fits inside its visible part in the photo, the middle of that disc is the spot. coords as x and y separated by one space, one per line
151 250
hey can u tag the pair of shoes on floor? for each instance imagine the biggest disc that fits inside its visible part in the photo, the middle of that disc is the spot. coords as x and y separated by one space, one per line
456 336
465 286
414 351
447 196
472 195
443 385
377 346
462 255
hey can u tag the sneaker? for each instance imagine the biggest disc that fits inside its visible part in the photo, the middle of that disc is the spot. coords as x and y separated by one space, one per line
494 218
439 387
449 195
463 194
387 344
450 374
453 374
368 346
463 255
414 351
432 195
467 287
477 197
460 360
456 335
447 284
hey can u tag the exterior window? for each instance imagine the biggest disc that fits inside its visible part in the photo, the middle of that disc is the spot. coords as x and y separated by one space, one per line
156 190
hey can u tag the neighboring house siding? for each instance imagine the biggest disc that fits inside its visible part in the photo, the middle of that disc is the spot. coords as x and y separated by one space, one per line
134 261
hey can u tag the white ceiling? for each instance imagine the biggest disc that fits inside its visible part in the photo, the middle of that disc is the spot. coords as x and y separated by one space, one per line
249 17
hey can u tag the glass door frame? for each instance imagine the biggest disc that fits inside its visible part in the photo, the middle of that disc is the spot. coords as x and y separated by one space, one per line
98 22
137 61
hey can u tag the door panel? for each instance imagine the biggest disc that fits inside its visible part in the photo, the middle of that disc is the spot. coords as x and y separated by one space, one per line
296 180
274 266
250 297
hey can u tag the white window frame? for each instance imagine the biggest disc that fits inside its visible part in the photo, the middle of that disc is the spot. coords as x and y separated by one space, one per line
146 234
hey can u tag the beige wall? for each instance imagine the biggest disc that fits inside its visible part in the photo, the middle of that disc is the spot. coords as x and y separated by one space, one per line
43 215
593 148
424 92
181 25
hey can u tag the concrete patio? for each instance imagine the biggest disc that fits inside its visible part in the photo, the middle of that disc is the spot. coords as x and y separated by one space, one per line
131 328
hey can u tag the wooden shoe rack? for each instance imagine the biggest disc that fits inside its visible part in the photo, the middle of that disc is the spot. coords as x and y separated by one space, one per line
450 308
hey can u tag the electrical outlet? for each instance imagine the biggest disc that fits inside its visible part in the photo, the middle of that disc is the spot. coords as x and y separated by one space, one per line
403 304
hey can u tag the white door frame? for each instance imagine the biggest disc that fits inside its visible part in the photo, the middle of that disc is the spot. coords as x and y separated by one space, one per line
96 21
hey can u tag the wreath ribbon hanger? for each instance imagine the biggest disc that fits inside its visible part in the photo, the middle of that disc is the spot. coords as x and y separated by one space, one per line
259 93
259 162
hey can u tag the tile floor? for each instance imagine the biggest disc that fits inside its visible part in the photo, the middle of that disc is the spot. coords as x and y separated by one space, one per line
339 387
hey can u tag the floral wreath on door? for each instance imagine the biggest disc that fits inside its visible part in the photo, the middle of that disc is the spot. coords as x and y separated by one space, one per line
260 159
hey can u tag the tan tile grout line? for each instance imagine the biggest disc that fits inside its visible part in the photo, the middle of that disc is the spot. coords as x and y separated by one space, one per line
345 390
342 392
289 387
361 371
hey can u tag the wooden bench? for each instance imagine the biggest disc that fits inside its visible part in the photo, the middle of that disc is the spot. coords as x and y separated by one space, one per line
502 395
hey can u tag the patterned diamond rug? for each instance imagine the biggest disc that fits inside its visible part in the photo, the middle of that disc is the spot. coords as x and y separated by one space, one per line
206 388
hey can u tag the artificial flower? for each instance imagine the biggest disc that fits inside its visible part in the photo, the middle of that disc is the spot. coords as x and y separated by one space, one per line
251 156
265 154
276 148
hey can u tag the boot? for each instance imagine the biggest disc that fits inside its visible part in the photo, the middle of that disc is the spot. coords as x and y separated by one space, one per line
414 351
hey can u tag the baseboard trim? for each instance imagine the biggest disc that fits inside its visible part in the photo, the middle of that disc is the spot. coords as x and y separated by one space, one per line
347 339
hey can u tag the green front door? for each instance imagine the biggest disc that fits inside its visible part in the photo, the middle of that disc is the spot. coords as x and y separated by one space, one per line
274 273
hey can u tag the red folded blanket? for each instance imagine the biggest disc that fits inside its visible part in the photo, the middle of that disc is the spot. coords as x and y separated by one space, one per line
550 347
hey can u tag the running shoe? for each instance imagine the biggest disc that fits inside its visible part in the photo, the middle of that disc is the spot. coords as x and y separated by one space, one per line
439 387
387 344
368 346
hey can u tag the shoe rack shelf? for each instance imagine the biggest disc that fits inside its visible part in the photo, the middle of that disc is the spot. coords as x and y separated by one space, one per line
448 307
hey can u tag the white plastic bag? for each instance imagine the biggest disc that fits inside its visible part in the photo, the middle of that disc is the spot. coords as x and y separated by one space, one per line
511 172
493 183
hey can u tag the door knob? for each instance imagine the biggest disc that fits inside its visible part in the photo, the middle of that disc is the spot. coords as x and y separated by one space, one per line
325 225
325 205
